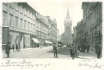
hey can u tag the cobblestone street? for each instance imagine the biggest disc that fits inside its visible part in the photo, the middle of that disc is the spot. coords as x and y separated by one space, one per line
47 52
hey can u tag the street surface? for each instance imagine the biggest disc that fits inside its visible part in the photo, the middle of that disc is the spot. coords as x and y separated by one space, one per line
47 52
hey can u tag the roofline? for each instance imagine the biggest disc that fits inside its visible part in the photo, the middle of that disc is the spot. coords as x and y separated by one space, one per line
25 4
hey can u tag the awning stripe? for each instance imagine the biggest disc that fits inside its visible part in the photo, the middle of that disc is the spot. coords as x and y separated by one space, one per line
35 40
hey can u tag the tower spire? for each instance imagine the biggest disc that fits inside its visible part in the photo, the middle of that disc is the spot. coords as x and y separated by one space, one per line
68 13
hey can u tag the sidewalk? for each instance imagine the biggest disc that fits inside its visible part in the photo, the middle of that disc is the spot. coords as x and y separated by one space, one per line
25 49
30 53
91 54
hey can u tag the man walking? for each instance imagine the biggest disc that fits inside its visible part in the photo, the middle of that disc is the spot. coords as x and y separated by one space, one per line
88 46
8 49
98 49
55 47
73 51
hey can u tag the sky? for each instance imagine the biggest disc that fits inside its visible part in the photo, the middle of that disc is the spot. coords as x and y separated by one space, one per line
58 10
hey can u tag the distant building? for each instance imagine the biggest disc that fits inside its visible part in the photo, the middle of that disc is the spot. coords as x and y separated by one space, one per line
67 35
54 31
74 34
42 28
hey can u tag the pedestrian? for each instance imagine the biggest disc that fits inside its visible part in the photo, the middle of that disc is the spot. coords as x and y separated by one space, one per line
13 47
73 51
8 49
81 48
98 49
16 47
88 47
84 47
55 47
76 51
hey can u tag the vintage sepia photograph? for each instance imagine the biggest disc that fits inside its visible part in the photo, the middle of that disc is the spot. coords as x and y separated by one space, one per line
44 30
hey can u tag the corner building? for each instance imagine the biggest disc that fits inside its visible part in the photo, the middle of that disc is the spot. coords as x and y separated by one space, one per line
18 24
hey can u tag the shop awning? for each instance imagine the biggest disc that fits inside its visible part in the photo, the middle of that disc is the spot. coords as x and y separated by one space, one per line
35 40
48 42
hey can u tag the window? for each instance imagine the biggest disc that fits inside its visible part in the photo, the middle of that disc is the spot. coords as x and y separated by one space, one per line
4 18
16 20
21 23
28 13
24 24
11 5
11 20
20 8
5 3
31 27
16 6
28 25
25 11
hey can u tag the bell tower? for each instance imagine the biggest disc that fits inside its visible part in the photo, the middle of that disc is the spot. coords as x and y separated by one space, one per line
67 35
67 22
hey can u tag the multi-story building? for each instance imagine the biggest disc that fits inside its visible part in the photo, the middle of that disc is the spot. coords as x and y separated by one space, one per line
79 32
42 28
54 31
18 26
26 27
49 28
92 22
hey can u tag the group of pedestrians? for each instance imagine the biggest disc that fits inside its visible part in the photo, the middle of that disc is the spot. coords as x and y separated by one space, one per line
73 51
73 48
8 47
76 48
84 47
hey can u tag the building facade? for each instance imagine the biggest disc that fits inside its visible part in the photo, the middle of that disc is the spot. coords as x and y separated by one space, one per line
19 21
42 29
92 20
79 32
54 31
24 26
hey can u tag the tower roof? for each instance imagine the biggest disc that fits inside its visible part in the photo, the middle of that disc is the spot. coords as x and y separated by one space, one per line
67 15
67 20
